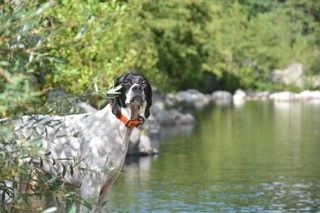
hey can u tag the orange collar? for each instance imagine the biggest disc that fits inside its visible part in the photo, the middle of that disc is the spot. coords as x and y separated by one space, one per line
130 123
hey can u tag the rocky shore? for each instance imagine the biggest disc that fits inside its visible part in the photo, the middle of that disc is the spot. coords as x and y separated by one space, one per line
174 111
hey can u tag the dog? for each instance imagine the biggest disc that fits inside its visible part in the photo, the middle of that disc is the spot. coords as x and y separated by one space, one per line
88 150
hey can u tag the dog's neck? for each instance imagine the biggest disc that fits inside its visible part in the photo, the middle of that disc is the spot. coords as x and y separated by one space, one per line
131 112
129 116
134 111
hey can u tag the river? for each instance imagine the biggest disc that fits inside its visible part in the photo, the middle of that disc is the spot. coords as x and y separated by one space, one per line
257 157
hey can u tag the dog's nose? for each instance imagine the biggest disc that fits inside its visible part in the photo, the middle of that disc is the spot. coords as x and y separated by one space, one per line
137 88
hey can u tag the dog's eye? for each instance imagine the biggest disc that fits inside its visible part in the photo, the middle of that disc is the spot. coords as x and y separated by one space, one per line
126 83
143 84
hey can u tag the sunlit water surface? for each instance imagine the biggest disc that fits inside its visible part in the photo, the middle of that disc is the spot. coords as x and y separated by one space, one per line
256 157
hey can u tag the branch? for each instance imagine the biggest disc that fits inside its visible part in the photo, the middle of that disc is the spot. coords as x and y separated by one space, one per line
4 75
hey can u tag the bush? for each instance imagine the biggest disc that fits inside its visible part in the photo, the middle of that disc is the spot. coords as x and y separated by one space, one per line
24 60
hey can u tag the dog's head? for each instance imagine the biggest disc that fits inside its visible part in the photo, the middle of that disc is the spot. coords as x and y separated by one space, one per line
135 90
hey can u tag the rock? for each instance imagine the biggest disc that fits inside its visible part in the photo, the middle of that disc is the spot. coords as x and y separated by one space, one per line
141 144
222 97
134 142
253 95
145 139
284 96
169 115
173 117
188 99
152 127
292 75
147 147
239 96
309 95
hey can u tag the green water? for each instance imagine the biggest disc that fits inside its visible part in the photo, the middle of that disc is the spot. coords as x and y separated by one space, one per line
258 157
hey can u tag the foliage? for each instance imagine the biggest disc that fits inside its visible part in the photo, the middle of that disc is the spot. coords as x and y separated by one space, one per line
249 43
175 43
179 33
238 40
80 46
98 40
24 61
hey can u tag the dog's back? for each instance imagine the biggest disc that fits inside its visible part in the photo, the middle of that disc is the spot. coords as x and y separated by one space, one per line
76 145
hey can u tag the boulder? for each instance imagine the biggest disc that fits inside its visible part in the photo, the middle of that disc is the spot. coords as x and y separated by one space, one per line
284 96
253 95
292 75
147 147
239 96
145 139
134 142
191 99
173 117
309 95
141 144
169 115
222 97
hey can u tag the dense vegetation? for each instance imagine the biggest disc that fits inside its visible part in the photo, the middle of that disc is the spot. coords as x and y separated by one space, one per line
178 44
81 46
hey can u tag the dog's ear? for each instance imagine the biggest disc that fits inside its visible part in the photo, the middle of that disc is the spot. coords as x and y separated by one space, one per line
118 101
148 95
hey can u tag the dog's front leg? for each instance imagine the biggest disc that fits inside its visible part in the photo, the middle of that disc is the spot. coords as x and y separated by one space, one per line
90 190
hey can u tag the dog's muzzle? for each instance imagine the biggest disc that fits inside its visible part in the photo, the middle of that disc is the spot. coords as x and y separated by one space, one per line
136 95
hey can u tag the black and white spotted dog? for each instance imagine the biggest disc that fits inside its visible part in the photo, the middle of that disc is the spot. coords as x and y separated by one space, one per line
93 145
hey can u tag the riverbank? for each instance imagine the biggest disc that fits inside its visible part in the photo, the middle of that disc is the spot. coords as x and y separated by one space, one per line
174 111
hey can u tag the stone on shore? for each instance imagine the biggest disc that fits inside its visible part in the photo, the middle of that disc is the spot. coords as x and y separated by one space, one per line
309 95
173 117
254 95
221 97
284 96
141 143
191 99
239 96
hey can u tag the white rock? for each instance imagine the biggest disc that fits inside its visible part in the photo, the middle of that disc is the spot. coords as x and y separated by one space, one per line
222 97
284 96
251 95
308 95
146 146
190 98
239 96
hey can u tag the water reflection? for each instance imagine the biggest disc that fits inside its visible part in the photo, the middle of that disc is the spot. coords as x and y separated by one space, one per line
138 167
176 130
258 157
